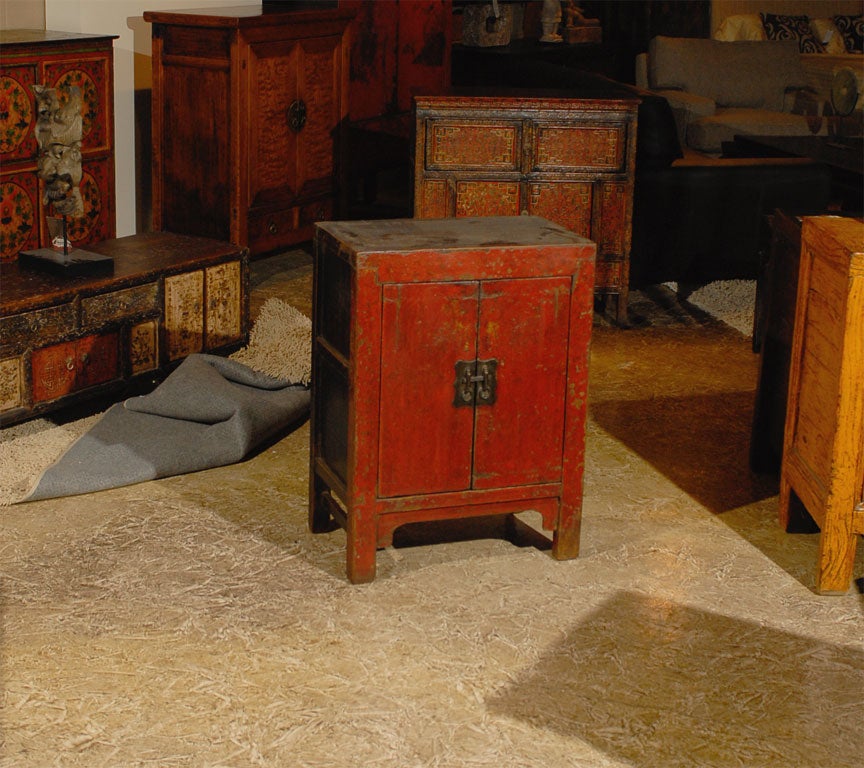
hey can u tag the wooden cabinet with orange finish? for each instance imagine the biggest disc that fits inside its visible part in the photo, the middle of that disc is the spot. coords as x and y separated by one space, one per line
450 370
568 159
823 445
248 109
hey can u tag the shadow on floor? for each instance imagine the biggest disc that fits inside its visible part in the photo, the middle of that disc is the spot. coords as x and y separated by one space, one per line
700 442
655 683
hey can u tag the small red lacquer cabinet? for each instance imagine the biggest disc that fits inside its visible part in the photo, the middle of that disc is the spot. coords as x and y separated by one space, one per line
449 376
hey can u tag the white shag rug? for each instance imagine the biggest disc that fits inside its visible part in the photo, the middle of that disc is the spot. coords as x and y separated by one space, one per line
730 301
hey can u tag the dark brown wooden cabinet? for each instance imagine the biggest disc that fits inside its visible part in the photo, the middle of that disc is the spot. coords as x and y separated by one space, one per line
248 111
570 160
450 370
58 60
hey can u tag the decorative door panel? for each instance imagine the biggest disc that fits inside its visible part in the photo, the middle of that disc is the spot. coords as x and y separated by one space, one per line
613 224
563 147
275 104
11 384
566 203
62 369
92 76
18 113
97 360
184 316
431 202
224 310
811 426
319 75
143 347
53 371
488 198
524 325
19 213
425 440
463 146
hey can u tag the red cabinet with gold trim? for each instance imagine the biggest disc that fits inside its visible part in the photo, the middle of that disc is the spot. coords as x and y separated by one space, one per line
58 60
450 370
565 158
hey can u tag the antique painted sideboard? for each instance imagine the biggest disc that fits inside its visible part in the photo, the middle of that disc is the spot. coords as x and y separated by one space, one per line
566 158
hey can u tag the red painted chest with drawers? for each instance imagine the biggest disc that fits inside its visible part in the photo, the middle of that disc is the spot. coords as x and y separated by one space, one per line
450 370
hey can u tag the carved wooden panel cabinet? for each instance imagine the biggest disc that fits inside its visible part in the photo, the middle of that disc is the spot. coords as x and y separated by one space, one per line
570 160
248 107
64 339
450 370
58 60
823 444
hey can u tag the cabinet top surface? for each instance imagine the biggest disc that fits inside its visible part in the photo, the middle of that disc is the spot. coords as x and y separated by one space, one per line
46 37
847 231
247 15
452 234
137 259
598 92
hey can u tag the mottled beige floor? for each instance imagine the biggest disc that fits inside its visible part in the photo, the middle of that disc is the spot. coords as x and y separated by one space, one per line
194 621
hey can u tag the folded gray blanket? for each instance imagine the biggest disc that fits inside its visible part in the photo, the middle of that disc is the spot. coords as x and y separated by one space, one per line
209 412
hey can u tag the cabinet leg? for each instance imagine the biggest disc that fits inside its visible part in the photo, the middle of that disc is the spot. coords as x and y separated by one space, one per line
837 544
361 548
565 538
319 512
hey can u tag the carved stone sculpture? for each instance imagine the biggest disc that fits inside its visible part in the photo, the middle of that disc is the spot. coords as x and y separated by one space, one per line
58 131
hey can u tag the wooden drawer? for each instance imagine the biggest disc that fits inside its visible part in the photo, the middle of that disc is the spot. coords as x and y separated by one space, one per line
488 198
140 300
62 369
560 148
19 331
474 145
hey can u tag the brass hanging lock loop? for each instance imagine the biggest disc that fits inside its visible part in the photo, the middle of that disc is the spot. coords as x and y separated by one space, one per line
297 115
476 382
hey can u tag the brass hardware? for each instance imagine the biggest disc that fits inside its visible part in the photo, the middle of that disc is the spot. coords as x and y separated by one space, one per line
476 382
297 115
272 229
70 364
85 357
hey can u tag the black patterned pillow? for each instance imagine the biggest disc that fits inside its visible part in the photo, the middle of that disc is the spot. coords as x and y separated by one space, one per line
779 26
852 29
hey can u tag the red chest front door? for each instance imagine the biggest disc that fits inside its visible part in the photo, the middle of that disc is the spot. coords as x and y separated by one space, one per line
429 445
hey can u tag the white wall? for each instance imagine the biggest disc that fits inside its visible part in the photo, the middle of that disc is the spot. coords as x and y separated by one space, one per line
22 14
123 18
